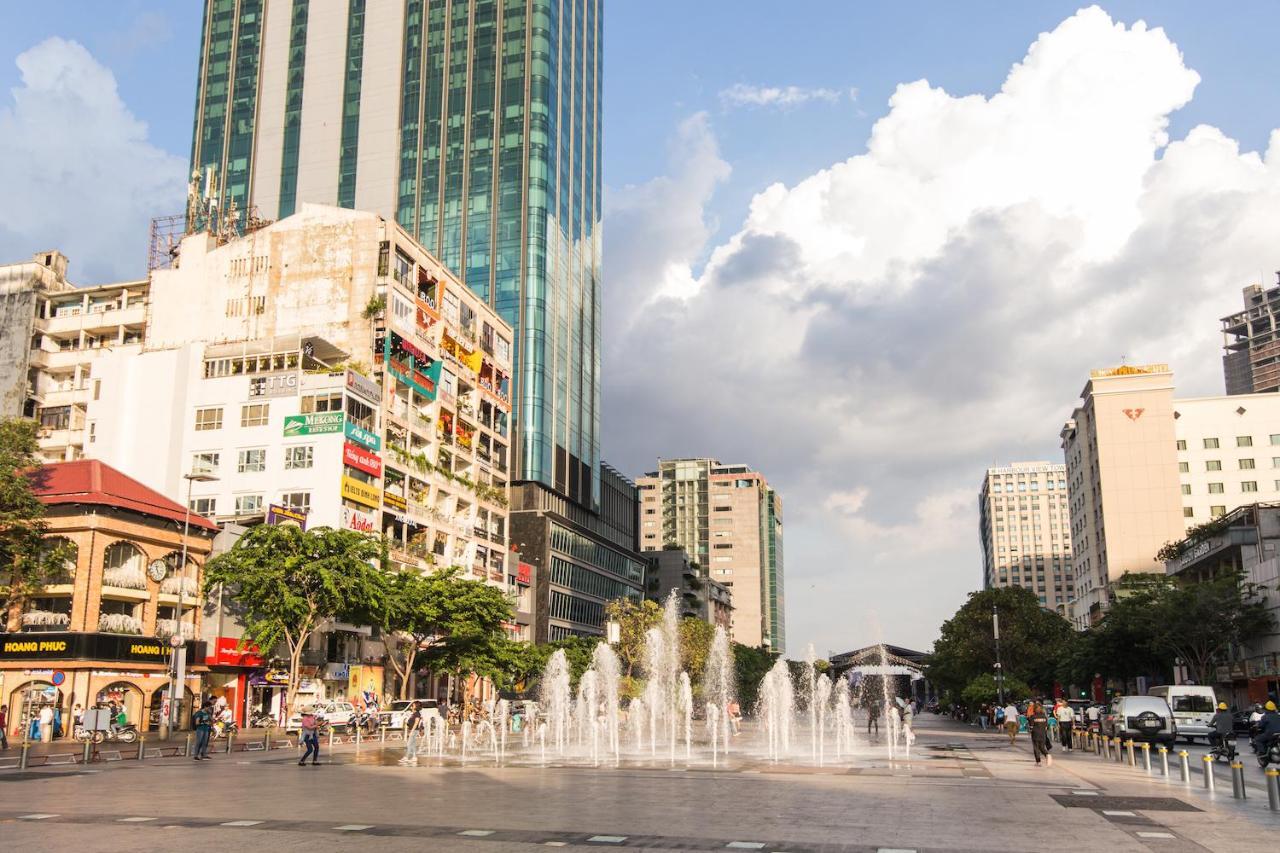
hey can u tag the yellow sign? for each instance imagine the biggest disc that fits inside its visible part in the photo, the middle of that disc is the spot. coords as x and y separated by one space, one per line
141 649
34 646
361 493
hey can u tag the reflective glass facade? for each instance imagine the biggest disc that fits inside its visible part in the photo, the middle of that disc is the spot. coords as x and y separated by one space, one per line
293 107
500 177
351 105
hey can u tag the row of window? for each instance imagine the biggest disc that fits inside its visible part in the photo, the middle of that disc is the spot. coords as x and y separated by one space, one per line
1241 441
1216 465
251 504
251 415
593 553
248 460
566 574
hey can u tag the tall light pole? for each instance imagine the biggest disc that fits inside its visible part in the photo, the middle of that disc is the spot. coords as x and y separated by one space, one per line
995 625
178 655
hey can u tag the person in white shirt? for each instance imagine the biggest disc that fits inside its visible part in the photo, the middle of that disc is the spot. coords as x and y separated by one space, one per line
1011 722
1066 723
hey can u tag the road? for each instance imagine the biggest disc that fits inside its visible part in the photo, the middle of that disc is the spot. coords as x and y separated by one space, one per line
962 790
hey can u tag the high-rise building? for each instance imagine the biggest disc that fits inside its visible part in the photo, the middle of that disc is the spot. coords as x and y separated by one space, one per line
1025 527
474 124
1251 343
729 520
54 331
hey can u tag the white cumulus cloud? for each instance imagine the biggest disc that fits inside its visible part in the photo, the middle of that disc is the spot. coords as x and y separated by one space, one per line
77 170
877 334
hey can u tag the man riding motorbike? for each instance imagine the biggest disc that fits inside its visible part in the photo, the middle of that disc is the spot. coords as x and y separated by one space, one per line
1222 733
1267 728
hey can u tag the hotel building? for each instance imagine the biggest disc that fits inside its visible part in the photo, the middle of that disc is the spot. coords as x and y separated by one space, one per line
1025 528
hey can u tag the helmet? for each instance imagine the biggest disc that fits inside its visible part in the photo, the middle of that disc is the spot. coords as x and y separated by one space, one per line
1271 706
1222 706
1257 706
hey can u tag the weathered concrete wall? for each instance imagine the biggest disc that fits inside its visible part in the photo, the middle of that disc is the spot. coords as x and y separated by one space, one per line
17 314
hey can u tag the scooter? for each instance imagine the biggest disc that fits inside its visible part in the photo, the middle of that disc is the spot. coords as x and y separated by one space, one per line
1270 753
1223 748
224 729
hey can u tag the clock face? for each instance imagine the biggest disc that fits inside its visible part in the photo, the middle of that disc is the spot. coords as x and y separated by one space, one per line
157 569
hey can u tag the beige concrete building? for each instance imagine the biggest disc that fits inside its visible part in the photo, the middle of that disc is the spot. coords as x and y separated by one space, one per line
729 520
1025 528
1122 477
53 332
1228 453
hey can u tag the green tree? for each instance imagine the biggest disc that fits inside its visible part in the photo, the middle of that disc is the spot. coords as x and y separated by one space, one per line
750 664
1032 641
287 582
468 633
634 619
522 663
1198 623
984 690
695 645
578 652
27 562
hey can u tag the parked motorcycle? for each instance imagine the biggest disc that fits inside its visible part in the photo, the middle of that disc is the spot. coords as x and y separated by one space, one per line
262 721
128 733
221 729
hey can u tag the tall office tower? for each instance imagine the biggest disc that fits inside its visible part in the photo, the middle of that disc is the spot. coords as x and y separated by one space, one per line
729 521
1251 343
1025 528
474 124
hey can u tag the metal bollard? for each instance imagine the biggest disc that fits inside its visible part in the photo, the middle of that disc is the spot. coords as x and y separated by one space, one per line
358 733
1185 766
1129 748
1106 746
22 759
382 734
88 752
1237 780
331 738
1097 743
1119 750
1146 756
266 740
186 749
231 739
1164 761
142 747
1273 789
1209 782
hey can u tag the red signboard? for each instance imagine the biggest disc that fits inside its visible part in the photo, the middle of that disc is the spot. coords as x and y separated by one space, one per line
524 574
362 459
226 653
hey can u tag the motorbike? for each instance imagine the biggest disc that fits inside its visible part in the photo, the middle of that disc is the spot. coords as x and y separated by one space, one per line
221 729
1270 753
128 733
1223 748
261 721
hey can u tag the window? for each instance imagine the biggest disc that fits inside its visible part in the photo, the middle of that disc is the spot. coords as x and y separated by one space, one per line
1244 441
1182 444
1213 465
207 419
297 457
1184 467
297 500
1186 488
254 414
248 504
1211 444
205 463
1246 465
1249 486
204 506
327 402
1215 488
1275 438
1187 512
252 460
1217 510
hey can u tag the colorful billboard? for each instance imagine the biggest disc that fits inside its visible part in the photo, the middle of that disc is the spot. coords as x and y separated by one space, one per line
361 493
361 459
359 434
316 423
411 365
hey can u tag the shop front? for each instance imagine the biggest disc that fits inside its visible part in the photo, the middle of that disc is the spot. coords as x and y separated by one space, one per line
228 680
66 672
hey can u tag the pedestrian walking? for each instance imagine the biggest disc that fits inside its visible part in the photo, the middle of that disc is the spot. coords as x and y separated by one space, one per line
735 717
982 717
1011 722
4 726
203 721
1066 724
413 729
873 717
310 738
1038 724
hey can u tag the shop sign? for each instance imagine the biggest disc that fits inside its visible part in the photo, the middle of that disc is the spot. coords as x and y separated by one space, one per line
361 459
227 652
363 387
337 671
411 366
316 423
273 385
355 432
286 515
361 493
354 519
393 500
524 574
80 646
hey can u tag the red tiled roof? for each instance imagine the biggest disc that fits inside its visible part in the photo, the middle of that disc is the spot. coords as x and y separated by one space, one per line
89 481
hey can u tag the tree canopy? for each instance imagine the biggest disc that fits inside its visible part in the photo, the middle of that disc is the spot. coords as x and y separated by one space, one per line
289 581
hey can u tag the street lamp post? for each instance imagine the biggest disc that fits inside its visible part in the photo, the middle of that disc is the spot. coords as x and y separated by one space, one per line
995 625
178 653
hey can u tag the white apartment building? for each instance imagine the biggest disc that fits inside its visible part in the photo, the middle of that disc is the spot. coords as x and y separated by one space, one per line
1143 468
1025 528
54 331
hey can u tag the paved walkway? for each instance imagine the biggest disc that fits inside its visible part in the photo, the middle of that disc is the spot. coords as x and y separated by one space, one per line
961 791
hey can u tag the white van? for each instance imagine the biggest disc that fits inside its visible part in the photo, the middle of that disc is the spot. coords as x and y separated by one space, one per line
1193 707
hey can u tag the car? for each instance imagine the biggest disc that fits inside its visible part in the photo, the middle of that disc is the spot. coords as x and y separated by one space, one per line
336 714
1193 708
397 716
1145 718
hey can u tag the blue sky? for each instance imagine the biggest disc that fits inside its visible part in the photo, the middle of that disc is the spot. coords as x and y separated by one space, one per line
869 304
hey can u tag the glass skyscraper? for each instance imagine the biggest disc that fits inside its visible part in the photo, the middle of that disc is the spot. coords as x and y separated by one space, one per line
473 123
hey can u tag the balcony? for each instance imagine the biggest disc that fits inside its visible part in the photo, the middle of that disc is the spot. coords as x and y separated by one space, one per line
125 577
173 584
119 623
165 629
45 620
